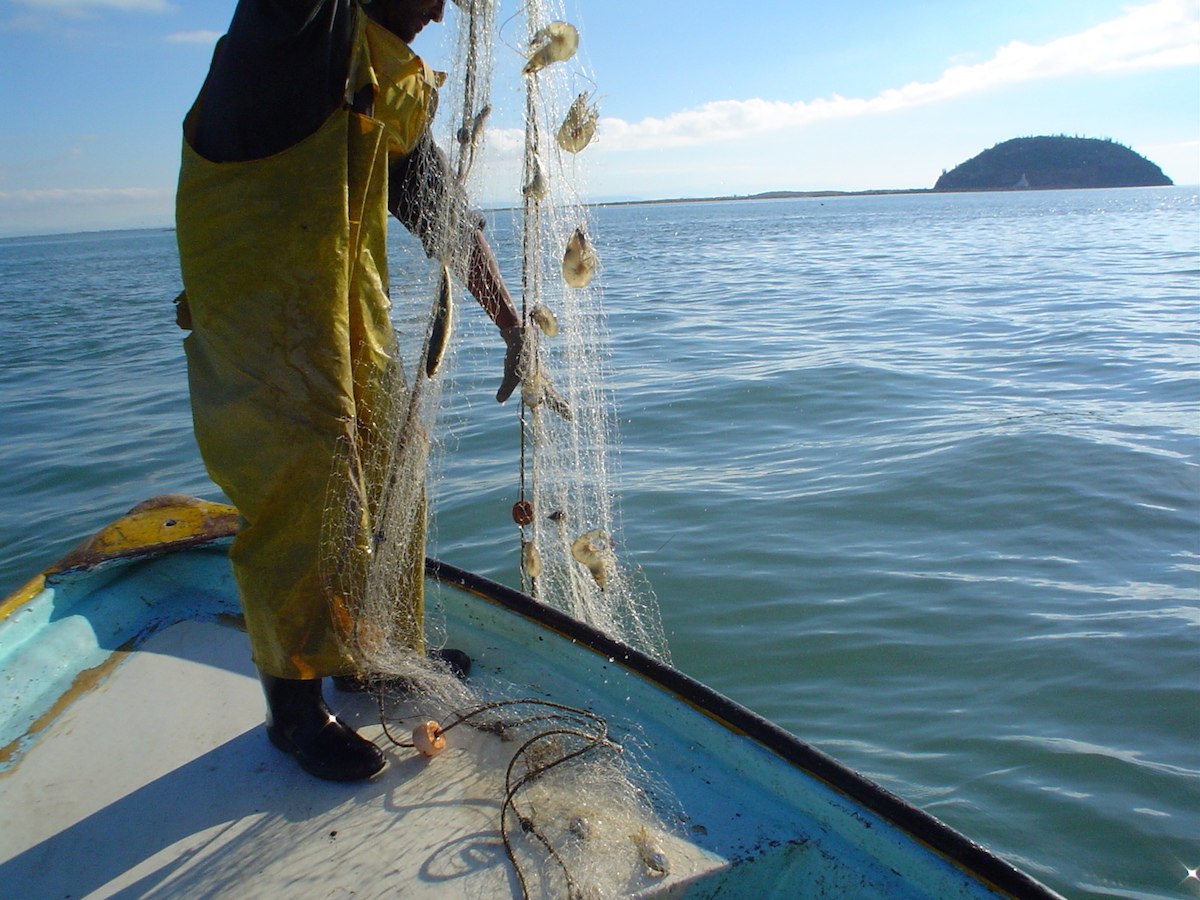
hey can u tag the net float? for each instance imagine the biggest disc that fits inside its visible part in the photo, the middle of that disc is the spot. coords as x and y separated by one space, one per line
522 512
428 738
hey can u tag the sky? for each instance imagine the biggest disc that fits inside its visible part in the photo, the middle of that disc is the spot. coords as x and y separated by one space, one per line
696 98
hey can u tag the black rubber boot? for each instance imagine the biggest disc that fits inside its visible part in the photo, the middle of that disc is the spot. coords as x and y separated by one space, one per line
456 661
300 724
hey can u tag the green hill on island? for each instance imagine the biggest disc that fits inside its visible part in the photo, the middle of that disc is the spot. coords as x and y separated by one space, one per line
1053 162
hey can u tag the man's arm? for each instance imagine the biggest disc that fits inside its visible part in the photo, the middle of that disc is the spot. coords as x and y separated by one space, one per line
423 197
487 285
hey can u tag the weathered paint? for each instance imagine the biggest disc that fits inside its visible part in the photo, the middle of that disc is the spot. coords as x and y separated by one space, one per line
158 525
763 814
65 625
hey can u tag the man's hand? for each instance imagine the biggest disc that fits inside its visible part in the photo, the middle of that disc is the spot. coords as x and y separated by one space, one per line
514 339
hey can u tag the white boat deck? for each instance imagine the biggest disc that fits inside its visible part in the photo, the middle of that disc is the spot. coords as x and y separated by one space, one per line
148 773
160 781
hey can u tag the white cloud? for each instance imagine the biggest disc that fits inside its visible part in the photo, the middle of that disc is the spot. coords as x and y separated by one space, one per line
193 37
506 142
1164 34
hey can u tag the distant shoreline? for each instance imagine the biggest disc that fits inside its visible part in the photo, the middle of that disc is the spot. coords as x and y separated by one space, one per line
878 192
766 195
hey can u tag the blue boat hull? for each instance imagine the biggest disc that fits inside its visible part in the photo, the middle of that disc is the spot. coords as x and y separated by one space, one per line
763 814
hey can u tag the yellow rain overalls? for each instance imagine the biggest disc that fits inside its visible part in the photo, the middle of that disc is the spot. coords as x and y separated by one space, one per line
285 272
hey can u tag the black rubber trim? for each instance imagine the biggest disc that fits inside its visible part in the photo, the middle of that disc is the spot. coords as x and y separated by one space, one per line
955 847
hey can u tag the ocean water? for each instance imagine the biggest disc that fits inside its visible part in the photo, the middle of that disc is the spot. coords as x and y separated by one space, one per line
915 476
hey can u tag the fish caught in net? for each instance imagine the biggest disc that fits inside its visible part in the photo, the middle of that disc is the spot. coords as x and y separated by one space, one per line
565 773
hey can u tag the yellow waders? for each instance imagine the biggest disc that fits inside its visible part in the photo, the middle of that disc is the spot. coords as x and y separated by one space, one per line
292 350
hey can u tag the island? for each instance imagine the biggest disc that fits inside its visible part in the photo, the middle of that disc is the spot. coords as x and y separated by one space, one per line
1053 162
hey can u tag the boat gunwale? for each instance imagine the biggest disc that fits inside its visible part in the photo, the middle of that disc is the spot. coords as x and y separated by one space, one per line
218 528
925 828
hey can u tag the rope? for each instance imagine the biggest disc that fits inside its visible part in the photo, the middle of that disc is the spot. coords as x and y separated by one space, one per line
590 729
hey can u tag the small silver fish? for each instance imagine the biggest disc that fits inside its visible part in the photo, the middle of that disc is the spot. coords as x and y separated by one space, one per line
654 858
469 134
439 326
537 389
537 188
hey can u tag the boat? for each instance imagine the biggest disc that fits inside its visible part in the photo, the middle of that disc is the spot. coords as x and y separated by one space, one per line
134 762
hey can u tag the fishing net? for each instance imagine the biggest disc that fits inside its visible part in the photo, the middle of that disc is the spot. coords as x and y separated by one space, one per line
564 772
567 512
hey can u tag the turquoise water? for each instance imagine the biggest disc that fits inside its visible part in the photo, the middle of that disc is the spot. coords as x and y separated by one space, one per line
917 477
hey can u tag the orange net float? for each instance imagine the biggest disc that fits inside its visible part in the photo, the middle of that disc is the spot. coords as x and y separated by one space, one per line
428 738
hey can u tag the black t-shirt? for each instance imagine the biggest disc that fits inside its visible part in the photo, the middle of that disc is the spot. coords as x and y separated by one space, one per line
278 74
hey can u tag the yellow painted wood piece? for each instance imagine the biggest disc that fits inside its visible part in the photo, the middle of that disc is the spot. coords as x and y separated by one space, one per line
166 522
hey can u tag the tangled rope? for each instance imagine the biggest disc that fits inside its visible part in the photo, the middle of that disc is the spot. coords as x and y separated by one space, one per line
533 759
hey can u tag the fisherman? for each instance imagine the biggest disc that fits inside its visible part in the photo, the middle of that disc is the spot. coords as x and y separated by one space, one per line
313 124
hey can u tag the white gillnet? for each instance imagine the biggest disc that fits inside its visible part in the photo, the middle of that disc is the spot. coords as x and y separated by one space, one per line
565 775
571 556
375 523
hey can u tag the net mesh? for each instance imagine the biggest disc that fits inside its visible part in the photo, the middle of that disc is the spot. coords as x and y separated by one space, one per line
565 773
571 556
